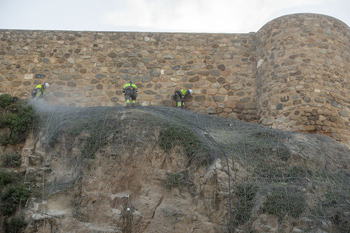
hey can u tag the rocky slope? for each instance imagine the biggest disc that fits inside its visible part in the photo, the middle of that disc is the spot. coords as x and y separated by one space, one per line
153 169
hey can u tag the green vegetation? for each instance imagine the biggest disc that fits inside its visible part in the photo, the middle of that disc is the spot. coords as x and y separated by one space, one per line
244 203
334 206
338 178
77 209
177 180
173 215
14 224
285 200
181 136
71 128
16 120
281 173
96 140
5 100
262 144
298 172
5 178
14 196
11 160
15 116
270 171
171 136
95 130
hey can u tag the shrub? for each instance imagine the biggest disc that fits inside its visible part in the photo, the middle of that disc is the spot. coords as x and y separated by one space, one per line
266 170
96 139
14 196
297 172
14 224
5 178
259 144
3 120
176 180
333 206
245 194
19 121
11 160
246 191
283 152
178 135
5 100
285 200
170 136
94 142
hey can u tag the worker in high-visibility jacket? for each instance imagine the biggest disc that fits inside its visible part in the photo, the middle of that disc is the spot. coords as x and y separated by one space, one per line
130 92
39 90
180 97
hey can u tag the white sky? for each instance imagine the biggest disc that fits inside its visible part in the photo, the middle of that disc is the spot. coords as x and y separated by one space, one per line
213 16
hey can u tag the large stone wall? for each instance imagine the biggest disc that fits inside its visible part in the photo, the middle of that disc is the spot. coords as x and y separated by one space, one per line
292 74
304 74
90 68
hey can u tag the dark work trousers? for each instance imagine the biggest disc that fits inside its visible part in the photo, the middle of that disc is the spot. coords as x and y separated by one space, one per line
179 99
130 94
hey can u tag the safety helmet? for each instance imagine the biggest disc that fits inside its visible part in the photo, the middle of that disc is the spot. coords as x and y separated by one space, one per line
190 91
46 85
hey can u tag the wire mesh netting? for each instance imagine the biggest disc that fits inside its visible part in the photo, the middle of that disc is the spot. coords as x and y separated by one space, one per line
159 169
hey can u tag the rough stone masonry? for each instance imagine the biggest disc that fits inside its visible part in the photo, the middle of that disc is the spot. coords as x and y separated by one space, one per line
293 74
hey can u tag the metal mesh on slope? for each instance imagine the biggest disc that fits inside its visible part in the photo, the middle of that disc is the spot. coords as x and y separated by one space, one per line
284 174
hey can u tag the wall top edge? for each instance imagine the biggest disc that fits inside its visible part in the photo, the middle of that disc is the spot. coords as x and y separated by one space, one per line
121 32
305 15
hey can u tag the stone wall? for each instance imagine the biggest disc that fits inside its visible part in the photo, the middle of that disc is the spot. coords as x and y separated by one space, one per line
304 74
90 68
292 74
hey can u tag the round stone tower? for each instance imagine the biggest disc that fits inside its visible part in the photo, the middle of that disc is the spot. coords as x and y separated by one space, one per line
303 75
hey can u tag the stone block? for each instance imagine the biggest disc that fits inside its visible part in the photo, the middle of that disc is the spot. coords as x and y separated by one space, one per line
279 106
149 92
203 73
249 105
215 73
59 94
26 77
194 79
218 98
72 83
66 77
114 99
199 98
245 99
221 80
211 110
40 76
344 113
221 67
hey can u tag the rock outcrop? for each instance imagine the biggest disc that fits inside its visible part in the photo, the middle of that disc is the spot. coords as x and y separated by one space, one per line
139 175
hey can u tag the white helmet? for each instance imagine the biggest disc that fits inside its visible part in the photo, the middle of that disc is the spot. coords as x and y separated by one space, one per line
47 85
190 91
